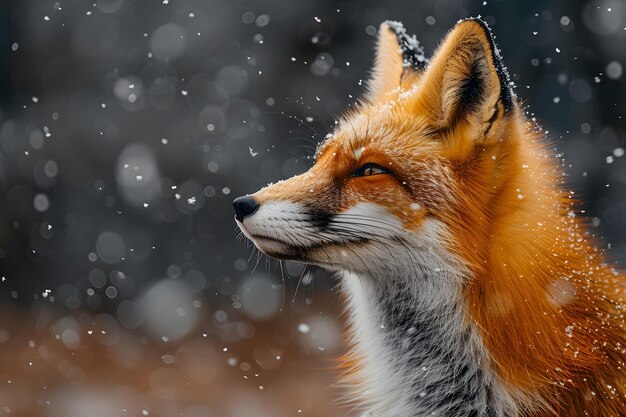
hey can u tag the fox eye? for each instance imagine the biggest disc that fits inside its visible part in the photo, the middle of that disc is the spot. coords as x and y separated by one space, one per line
369 169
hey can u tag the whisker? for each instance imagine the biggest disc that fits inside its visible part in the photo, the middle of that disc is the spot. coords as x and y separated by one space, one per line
293 300
340 285
258 259
282 277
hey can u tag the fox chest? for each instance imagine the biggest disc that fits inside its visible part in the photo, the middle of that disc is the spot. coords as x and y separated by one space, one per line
418 361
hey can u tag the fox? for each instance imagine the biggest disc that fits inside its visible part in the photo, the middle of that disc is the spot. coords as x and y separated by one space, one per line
473 285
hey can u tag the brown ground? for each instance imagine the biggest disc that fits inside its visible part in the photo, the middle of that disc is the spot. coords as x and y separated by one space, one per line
100 369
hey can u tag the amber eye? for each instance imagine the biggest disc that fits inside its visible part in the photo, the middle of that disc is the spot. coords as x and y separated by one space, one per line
369 169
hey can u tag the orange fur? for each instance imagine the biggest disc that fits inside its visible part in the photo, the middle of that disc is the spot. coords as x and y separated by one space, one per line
549 307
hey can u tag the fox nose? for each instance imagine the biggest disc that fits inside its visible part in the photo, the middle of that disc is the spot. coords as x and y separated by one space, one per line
244 207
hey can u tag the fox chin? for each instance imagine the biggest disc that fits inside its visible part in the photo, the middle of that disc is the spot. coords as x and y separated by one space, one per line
473 287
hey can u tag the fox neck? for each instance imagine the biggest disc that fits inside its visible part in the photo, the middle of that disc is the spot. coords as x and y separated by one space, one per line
534 275
416 352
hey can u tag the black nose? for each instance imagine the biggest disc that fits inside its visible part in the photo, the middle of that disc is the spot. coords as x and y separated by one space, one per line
244 207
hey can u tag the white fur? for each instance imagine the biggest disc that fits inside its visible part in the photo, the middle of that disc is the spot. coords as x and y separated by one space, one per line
391 277
278 220
383 390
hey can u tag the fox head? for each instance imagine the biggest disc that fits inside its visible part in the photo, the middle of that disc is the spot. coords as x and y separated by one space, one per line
407 178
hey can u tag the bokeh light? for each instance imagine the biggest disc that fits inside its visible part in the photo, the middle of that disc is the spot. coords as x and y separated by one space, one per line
127 128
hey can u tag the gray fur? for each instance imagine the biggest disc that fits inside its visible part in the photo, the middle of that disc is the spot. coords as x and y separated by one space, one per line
434 358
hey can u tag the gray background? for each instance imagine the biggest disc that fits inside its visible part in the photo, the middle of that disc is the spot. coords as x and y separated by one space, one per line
127 128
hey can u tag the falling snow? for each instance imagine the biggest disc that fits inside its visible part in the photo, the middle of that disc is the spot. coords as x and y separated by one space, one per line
125 134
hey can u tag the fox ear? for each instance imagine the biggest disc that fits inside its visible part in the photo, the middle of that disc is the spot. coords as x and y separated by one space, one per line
466 79
396 52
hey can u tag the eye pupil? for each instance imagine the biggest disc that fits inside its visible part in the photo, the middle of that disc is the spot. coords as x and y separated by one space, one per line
369 169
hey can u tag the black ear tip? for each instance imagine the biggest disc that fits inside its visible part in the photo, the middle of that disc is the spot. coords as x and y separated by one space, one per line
412 51
506 92
483 25
476 19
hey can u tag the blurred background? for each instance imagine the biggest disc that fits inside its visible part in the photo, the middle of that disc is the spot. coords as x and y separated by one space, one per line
128 126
